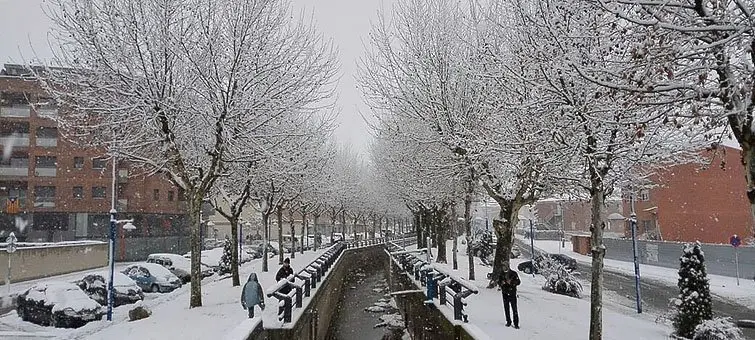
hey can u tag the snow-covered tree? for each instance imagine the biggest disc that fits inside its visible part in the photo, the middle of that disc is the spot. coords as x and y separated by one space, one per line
429 63
226 260
694 303
183 85
692 55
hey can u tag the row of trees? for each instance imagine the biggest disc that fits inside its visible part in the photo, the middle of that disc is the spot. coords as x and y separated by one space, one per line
527 99
230 100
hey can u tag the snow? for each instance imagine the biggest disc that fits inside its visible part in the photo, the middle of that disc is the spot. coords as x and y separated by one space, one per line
567 318
212 257
391 321
62 295
220 315
161 273
244 329
722 286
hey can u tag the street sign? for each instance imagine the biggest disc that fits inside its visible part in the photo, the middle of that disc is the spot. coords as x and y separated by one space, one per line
735 241
11 240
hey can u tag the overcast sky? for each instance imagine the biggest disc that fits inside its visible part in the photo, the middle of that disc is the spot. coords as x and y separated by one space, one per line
24 27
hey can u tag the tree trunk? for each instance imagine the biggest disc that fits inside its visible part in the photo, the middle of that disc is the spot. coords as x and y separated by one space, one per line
318 236
598 250
356 220
468 226
503 224
195 211
235 252
279 214
304 229
455 234
293 232
332 226
344 232
266 239
440 235
748 160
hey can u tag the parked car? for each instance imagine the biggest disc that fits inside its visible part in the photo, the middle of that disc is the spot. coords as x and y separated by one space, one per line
125 290
57 304
152 277
178 265
255 249
527 267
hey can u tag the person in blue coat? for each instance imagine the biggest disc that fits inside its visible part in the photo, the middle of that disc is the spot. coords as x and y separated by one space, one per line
252 295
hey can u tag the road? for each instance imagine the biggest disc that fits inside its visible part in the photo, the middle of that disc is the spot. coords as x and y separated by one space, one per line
655 295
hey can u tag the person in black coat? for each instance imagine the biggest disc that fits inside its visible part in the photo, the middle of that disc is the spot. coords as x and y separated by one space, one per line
508 280
284 272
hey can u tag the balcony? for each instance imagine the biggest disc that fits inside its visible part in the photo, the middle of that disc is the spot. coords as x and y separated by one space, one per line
122 205
45 172
122 175
19 139
19 171
47 112
44 202
46 142
15 111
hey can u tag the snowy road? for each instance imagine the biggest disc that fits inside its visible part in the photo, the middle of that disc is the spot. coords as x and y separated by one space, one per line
655 293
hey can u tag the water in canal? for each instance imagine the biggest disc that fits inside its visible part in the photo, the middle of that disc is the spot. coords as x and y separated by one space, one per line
365 289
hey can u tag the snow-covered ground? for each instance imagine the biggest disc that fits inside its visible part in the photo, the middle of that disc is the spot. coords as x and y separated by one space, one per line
221 312
722 286
544 315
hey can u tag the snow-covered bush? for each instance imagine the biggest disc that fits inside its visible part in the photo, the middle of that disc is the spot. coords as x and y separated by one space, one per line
558 279
718 329
225 260
483 247
694 303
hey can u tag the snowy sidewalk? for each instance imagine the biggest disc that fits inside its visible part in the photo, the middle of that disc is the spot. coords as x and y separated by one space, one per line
722 286
171 318
545 315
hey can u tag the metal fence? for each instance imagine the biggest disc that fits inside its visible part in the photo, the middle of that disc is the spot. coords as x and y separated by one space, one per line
719 258
439 283
290 292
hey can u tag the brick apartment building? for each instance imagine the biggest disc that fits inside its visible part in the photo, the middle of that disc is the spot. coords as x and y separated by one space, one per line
692 203
63 191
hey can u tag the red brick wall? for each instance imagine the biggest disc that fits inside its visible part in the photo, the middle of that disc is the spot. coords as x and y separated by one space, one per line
696 204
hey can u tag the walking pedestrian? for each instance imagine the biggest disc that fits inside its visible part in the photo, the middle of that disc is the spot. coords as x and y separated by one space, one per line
507 281
252 295
284 272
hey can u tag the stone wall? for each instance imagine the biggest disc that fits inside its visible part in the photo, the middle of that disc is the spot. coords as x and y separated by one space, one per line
30 263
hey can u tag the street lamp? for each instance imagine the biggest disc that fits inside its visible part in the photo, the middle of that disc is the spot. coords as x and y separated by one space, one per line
633 225
111 258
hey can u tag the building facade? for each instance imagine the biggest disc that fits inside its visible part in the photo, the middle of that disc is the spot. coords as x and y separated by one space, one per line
54 190
693 202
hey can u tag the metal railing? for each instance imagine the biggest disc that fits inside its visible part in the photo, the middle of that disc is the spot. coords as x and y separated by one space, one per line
439 283
291 291
373 241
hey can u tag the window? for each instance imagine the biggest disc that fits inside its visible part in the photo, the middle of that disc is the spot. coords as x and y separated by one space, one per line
644 195
47 136
156 194
44 196
181 194
170 196
45 162
78 162
98 192
99 163
78 192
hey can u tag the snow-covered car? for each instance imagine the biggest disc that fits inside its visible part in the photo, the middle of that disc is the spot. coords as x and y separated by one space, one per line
212 257
57 304
152 277
125 290
179 265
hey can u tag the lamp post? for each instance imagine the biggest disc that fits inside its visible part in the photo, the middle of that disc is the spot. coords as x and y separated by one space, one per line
111 259
633 225
487 226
